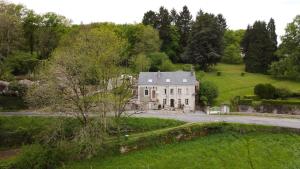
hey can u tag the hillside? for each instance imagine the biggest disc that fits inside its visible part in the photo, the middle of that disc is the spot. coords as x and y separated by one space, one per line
231 83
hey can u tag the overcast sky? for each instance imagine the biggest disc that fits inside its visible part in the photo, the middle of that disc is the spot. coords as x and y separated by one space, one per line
238 13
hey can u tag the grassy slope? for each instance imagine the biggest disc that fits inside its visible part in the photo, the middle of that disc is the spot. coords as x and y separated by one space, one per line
232 84
226 150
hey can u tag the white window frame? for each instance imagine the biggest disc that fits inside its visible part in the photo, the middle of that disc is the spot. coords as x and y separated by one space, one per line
171 91
179 91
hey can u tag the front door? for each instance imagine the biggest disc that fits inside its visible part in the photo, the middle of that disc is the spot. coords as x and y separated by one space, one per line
172 102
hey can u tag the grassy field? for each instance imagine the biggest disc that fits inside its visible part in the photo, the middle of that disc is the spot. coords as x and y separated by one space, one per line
232 84
227 150
18 130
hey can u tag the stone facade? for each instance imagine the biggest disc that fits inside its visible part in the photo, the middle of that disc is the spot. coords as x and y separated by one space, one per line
169 96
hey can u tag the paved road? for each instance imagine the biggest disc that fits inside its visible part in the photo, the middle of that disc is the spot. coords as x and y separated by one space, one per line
272 121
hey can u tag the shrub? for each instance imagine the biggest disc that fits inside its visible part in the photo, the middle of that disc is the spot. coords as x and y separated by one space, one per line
283 93
281 102
265 91
38 157
243 74
219 73
21 62
208 90
247 102
20 89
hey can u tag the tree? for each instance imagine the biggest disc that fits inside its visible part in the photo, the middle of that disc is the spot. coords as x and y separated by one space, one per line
205 46
184 25
79 78
232 55
160 62
52 28
146 40
232 51
174 16
208 92
11 33
258 48
31 24
289 53
141 63
150 18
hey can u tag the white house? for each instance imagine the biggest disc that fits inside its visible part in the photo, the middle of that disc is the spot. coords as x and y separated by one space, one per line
167 90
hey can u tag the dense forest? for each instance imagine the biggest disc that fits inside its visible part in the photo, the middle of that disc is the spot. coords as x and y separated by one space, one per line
163 39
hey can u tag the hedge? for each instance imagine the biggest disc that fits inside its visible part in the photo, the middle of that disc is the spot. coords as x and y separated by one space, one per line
247 102
281 102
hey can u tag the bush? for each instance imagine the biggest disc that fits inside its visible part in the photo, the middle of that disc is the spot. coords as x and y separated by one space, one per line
247 102
38 157
219 73
283 93
208 90
281 102
21 62
243 74
265 91
20 89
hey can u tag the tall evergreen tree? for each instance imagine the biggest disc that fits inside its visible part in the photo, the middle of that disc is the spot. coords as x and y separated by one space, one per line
184 25
150 18
174 16
205 46
258 48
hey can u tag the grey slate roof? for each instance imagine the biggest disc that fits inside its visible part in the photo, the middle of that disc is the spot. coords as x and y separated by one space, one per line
160 78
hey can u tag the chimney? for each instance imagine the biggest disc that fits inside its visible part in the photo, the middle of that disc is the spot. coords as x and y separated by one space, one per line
192 71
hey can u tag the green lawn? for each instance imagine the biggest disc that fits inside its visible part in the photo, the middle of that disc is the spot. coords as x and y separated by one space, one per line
232 84
228 150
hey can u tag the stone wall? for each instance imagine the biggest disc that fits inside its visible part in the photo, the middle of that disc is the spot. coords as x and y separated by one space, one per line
276 109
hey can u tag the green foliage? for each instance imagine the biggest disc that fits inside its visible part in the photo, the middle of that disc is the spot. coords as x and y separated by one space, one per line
141 63
11 103
289 51
219 73
21 89
283 93
21 63
259 47
232 55
232 84
281 102
208 91
205 46
265 91
38 157
247 102
160 62
260 140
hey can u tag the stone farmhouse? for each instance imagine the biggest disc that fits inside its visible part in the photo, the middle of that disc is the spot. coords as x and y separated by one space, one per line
167 90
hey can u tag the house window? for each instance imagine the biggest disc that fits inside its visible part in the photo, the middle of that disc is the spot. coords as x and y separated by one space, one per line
150 80
164 101
171 91
168 80
179 91
179 103
184 80
165 91
186 101
146 92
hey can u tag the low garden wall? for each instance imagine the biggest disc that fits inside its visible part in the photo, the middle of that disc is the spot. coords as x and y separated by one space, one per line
271 106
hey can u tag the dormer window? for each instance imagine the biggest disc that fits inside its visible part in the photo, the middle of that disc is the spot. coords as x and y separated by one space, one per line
168 80
184 80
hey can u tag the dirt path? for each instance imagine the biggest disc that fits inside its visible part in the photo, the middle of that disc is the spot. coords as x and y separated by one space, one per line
6 154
